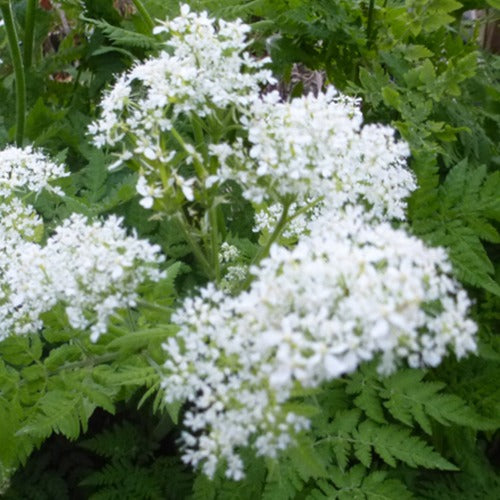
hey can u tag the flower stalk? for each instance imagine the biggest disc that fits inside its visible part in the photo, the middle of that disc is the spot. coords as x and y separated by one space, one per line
144 13
17 62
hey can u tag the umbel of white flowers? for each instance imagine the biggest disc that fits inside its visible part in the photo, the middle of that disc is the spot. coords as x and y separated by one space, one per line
348 292
91 268
311 147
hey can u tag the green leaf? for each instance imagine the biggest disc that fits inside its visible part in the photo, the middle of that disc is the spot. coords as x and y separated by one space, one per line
125 38
308 463
494 3
339 435
58 411
427 73
409 398
391 97
394 443
21 350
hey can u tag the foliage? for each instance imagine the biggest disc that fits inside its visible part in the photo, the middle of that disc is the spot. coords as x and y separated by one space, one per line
83 419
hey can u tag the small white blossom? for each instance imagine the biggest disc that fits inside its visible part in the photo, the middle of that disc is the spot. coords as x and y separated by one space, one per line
267 219
96 267
148 192
228 252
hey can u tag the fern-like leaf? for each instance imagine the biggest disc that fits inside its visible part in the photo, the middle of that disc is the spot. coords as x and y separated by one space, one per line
393 443
59 411
124 38
462 206
409 398
359 483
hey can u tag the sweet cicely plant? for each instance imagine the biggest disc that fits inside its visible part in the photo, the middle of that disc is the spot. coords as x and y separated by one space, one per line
330 283
280 263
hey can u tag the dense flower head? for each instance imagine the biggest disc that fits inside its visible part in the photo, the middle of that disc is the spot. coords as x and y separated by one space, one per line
27 169
97 267
316 146
204 66
347 293
92 268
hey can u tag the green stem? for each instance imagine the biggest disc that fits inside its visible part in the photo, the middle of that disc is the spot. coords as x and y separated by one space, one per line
29 31
155 307
369 26
264 251
306 208
214 241
85 363
199 137
200 169
144 13
17 62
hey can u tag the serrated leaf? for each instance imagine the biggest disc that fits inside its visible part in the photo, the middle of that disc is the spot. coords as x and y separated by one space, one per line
394 443
60 412
308 463
125 38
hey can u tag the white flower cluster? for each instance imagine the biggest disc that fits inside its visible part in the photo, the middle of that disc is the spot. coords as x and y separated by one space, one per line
315 146
352 289
348 292
18 222
204 66
92 268
97 267
27 169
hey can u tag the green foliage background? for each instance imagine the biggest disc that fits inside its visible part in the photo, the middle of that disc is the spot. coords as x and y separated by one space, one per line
80 420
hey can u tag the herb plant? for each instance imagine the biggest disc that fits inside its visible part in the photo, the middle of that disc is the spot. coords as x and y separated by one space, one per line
212 287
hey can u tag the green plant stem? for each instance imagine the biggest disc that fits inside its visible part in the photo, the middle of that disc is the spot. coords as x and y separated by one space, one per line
264 251
155 307
200 169
199 137
214 241
29 31
144 13
85 363
17 62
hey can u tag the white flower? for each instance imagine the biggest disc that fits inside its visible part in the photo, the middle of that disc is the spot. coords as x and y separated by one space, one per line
207 66
228 252
204 66
148 192
96 268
